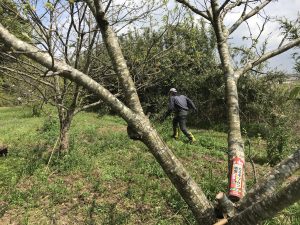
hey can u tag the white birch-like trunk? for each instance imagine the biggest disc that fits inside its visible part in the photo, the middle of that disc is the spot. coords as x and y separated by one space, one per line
235 141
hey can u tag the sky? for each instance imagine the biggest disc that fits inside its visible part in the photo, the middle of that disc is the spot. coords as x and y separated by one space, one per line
282 8
291 9
276 9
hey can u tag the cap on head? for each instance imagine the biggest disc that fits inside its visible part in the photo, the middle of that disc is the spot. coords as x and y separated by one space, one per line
173 90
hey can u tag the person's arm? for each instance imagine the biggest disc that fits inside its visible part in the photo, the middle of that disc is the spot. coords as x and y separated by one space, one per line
171 106
191 104
170 109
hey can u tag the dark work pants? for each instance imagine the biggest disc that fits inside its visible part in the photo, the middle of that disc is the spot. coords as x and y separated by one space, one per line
181 121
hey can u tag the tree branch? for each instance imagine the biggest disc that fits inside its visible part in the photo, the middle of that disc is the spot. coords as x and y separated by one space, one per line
117 58
194 9
223 6
226 206
250 64
287 32
44 98
27 75
247 16
21 61
230 7
88 106
64 70
269 206
180 178
271 181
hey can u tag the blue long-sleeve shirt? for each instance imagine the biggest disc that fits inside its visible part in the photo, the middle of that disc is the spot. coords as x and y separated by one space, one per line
180 103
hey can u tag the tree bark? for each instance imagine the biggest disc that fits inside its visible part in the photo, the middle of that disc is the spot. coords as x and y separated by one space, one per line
271 181
64 136
226 206
268 207
186 186
118 61
235 141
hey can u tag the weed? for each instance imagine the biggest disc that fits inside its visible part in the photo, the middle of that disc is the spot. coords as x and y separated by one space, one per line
105 178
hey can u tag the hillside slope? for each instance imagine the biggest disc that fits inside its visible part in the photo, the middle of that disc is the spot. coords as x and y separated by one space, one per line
106 178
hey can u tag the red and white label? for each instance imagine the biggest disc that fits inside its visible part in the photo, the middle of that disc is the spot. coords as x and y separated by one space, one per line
236 178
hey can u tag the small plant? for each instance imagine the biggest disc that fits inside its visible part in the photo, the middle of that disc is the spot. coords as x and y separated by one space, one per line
49 130
36 110
49 124
277 139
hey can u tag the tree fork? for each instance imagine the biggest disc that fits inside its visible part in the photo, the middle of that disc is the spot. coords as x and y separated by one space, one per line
118 61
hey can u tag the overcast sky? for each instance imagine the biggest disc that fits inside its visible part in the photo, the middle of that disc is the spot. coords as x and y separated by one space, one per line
276 9
282 8
290 9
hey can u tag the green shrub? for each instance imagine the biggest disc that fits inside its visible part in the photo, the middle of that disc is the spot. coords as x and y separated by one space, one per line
49 130
278 139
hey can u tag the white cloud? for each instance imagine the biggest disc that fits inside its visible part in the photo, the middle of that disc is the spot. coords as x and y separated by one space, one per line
288 9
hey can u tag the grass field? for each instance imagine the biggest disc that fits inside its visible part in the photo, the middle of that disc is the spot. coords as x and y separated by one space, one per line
105 178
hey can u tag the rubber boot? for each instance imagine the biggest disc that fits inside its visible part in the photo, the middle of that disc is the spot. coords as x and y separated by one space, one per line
191 137
175 133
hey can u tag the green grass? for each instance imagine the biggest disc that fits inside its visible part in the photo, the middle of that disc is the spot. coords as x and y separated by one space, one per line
105 178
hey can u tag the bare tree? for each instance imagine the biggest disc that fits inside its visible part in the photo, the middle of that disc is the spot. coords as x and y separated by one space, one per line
133 114
67 31
35 89
72 39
